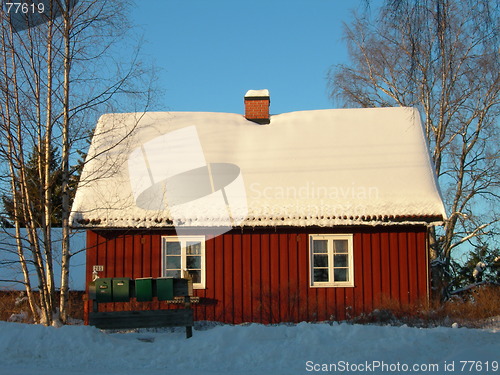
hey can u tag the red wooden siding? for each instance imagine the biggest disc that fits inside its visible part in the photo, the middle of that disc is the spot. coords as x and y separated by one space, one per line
263 275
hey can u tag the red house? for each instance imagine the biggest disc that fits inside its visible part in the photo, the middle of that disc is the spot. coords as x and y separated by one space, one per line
310 215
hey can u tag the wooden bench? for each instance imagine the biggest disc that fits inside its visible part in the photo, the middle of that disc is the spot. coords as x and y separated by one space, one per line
182 291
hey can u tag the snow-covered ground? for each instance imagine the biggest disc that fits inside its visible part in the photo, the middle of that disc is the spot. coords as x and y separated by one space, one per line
248 349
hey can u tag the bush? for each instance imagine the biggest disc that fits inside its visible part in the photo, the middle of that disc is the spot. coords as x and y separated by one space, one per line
472 308
14 306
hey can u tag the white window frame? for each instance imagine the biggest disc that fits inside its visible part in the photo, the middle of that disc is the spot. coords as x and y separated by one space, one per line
350 258
183 240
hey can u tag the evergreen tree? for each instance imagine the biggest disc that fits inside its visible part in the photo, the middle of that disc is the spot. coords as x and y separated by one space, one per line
35 186
482 265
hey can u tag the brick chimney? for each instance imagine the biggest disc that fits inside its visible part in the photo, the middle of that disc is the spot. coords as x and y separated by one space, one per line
257 106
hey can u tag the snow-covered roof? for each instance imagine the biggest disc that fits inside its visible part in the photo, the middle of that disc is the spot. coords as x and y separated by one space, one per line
308 168
257 93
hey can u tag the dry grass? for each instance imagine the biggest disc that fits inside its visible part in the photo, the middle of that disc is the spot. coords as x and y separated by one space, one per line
471 309
16 303
11 303
475 306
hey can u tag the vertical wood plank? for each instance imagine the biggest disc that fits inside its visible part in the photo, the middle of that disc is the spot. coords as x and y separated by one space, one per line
423 265
275 307
109 268
403 268
256 277
385 266
91 256
394 264
119 257
129 257
412 267
376 270
293 287
219 279
232 278
155 243
137 263
265 302
284 281
147 270
246 266
367 273
303 276
321 301
343 308
359 275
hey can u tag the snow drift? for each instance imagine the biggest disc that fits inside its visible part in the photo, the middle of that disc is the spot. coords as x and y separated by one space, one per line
247 349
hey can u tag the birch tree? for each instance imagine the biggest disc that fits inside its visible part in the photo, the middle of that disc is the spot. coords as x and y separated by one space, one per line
442 57
58 77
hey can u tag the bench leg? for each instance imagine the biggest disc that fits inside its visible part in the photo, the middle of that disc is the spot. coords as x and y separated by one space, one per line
187 305
189 332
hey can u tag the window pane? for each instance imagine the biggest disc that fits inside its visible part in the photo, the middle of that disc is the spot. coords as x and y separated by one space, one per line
193 262
340 260
173 262
320 246
340 246
320 260
340 274
321 274
193 248
196 275
173 248
176 273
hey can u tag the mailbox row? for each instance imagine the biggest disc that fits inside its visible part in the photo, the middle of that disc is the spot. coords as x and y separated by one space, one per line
122 289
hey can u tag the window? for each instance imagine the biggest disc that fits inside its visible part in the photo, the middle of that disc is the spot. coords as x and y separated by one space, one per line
331 260
184 253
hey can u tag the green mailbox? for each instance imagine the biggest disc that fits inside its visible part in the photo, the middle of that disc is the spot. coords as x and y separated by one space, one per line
165 289
121 289
104 290
144 289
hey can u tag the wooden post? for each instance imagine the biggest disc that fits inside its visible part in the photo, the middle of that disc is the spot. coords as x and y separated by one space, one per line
85 309
187 305
187 300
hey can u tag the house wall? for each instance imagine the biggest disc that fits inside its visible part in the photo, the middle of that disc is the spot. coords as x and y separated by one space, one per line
262 275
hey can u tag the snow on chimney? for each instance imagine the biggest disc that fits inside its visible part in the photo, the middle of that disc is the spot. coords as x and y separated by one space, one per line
257 106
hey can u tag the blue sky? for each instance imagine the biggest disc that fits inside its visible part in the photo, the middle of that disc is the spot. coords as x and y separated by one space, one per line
211 52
